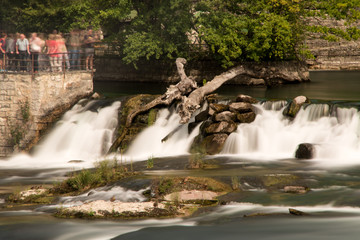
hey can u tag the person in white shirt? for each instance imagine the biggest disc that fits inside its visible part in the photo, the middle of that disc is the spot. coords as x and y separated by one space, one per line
23 50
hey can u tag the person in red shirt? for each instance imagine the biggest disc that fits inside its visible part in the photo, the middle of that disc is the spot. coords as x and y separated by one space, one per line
53 52
2 52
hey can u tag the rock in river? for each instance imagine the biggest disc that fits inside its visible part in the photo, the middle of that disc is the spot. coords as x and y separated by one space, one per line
305 151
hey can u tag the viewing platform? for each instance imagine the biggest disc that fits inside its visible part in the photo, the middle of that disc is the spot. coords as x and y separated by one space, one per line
30 101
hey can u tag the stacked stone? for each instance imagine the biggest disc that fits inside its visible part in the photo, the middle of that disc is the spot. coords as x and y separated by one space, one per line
219 121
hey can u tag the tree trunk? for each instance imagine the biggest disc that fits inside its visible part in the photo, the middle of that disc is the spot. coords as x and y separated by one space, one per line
187 93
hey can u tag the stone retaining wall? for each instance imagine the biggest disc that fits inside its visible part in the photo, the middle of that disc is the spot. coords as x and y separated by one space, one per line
30 104
333 55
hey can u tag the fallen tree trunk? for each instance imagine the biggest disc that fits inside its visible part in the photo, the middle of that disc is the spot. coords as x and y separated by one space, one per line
174 92
187 93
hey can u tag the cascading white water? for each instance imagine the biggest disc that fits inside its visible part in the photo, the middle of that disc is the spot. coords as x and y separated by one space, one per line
82 134
272 136
149 144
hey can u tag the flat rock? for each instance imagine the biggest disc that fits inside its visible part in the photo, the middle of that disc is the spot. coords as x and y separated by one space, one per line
186 195
225 116
217 107
240 107
100 206
221 127
296 189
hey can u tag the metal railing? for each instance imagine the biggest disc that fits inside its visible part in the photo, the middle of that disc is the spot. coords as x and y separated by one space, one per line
34 63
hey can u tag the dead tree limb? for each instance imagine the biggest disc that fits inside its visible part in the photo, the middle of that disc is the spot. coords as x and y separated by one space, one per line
187 92
174 92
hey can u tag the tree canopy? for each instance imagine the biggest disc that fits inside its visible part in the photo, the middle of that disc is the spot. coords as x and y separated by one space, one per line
232 31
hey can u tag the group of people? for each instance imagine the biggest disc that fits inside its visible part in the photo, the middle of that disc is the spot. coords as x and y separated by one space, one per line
55 53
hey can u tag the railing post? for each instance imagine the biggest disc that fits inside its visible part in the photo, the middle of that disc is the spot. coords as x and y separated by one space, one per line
63 63
32 66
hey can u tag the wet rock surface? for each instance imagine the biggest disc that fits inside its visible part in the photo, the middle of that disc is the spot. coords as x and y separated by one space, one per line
305 151
219 121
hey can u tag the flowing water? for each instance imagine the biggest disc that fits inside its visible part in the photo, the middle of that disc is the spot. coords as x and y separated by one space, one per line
262 148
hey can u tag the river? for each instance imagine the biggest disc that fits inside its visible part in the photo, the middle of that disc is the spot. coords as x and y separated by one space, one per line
262 148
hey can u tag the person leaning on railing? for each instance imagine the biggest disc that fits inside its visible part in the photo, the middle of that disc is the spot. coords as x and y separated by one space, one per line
23 50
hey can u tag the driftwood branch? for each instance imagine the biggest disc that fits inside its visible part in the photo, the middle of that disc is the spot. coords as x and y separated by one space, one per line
187 92
173 93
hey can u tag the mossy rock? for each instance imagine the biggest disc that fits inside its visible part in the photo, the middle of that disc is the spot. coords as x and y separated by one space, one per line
212 144
139 123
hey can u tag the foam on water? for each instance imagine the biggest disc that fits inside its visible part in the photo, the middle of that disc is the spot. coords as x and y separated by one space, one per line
272 136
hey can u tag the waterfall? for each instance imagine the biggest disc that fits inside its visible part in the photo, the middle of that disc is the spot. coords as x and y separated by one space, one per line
272 136
148 143
83 135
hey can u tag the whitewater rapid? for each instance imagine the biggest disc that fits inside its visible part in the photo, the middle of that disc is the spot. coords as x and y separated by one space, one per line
78 140
333 130
84 134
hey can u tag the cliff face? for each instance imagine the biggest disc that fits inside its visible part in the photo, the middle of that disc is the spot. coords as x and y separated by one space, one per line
332 55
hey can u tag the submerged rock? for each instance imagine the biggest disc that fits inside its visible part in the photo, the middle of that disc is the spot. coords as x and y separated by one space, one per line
294 107
305 151
295 212
296 189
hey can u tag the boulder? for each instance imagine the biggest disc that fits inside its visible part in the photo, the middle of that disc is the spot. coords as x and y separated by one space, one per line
216 108
202 116
213 144
224 116
246 117
240 107
246 98
305 151
294 107
221 127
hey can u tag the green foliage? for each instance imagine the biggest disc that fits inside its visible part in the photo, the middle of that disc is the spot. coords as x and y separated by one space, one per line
196 160
16 134
232 31
150 162
82 180
253 30
158 30
25 110
152 117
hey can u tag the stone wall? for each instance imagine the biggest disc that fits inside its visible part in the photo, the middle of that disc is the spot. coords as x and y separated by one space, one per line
30 104
333 55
